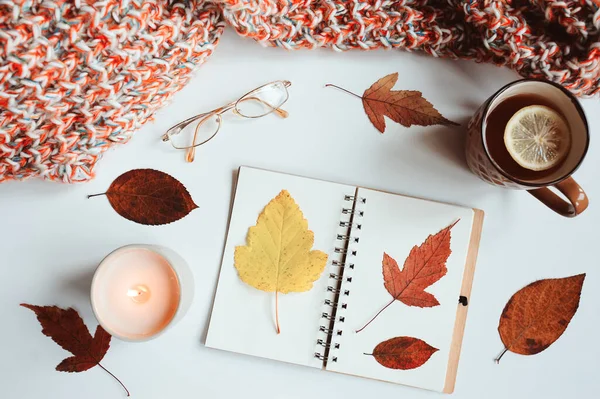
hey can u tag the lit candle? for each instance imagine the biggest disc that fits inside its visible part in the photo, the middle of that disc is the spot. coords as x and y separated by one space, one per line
139 290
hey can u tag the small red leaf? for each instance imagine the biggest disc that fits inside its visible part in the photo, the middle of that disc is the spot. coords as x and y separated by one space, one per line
403 353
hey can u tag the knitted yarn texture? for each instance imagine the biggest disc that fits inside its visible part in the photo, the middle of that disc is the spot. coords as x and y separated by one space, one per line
78 77
550 39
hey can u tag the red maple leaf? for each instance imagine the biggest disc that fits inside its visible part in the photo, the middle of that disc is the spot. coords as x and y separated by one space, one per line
424 265
67 329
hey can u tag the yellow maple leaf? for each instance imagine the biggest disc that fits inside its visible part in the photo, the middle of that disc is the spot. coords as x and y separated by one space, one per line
278 256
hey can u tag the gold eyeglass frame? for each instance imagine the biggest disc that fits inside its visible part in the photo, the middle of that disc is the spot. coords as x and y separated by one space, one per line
191 149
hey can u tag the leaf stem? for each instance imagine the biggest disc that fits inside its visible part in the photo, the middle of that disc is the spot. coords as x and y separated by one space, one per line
340 88
497 360
95 195
378 313
277 312
113 376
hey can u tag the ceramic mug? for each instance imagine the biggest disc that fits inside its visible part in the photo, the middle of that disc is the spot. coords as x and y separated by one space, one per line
483 165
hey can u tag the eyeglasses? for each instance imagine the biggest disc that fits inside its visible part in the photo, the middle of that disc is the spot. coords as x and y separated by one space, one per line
255 104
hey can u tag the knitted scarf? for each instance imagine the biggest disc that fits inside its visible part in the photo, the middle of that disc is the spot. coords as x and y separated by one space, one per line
78 77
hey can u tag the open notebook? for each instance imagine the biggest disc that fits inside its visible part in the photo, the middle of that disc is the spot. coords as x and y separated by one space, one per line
368 238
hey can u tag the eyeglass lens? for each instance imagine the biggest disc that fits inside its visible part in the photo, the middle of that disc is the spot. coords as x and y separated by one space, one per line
190 137
262 101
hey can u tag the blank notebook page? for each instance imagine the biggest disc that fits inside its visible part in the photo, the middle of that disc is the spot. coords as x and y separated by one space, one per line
243 317
394 224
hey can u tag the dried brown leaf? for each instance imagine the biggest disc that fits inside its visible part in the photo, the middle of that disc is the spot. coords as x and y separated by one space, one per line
66 328
150 197
407 107
538 314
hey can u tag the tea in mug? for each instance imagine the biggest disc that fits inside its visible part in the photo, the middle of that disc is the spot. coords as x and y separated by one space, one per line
536 133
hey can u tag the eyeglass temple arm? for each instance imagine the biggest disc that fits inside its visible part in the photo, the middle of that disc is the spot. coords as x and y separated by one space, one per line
191 152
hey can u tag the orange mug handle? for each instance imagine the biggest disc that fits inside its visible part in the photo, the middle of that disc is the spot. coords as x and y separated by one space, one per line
578 200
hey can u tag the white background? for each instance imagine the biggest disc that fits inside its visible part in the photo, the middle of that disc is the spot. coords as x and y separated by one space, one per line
53 237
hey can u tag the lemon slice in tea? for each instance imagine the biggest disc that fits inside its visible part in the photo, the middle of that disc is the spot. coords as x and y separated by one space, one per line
537 137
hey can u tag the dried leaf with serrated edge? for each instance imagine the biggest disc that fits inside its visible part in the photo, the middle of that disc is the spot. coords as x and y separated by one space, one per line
278 256
402 353
424 265
149 197
407 107
538 314
67 329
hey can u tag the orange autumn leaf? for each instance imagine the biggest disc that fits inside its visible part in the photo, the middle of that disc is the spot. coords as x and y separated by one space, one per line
538 314
407 107
424 265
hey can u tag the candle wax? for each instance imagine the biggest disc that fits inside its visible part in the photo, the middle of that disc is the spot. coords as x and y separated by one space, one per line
135 293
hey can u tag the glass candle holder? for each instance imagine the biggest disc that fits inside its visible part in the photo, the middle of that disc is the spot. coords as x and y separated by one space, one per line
139 291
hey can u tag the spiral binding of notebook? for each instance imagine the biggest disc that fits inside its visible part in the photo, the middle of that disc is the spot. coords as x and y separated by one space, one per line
340 277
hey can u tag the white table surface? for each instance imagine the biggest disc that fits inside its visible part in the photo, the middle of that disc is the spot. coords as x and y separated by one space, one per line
53 237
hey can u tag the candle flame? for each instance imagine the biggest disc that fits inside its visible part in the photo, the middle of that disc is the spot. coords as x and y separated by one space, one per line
139 293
